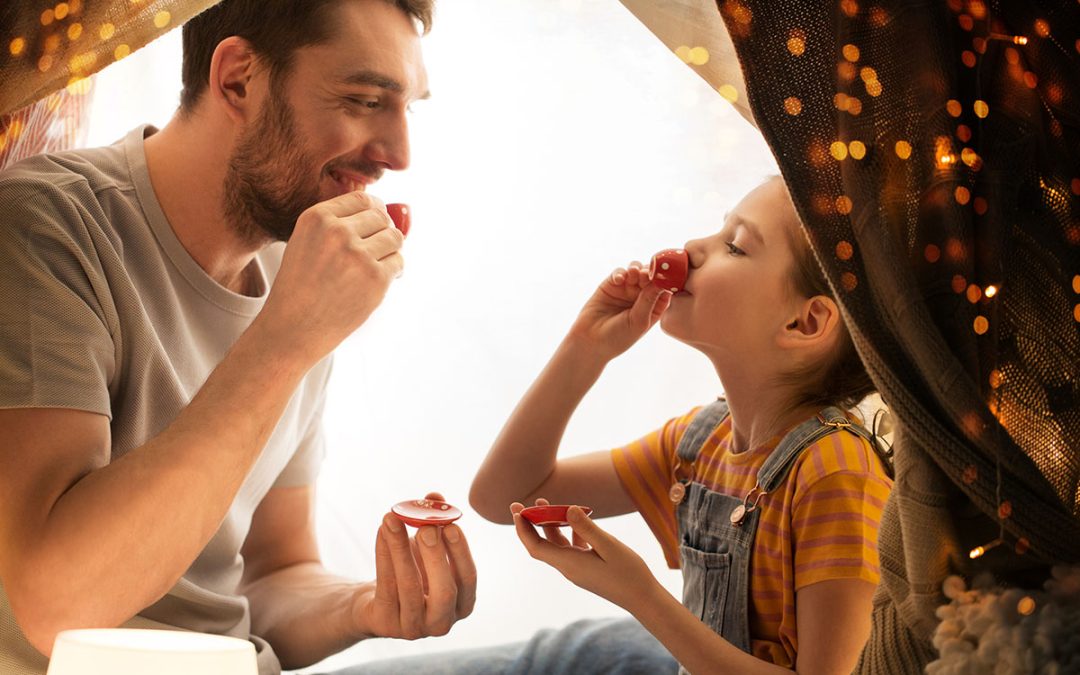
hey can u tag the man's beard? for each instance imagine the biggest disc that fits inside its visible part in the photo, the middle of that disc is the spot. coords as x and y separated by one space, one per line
268 180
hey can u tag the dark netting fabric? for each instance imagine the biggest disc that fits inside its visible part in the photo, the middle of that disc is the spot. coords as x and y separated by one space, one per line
933 151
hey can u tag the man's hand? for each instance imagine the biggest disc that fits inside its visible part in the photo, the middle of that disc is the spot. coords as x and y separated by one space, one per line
594 560
422 585
337 267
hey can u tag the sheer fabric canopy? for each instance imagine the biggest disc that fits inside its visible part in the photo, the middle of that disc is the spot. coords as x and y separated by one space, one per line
933 151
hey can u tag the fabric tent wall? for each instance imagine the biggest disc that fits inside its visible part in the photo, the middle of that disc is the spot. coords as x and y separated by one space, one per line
933 151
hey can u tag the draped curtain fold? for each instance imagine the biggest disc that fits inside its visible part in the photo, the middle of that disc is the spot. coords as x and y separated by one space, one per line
932 148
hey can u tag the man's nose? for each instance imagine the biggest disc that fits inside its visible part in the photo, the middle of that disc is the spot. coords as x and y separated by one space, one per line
390 146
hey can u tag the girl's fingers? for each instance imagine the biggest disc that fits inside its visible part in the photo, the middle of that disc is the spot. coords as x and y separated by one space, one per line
588 532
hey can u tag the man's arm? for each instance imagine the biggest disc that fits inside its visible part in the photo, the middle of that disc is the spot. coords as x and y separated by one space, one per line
89 542
306 613
86 542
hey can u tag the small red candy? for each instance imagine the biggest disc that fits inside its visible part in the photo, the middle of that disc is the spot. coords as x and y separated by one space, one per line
401 215
669 269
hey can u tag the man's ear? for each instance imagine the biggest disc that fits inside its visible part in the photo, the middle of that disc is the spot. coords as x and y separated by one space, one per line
815 323
232 69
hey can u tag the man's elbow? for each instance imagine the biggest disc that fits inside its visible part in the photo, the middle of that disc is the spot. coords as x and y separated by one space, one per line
39 612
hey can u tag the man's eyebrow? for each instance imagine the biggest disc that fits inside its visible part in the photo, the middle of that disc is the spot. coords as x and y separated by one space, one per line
371 78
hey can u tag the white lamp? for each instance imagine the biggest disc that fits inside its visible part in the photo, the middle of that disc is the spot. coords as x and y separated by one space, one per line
129 651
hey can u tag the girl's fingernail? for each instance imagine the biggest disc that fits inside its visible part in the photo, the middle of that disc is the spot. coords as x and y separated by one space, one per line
452 534
429 535
392 523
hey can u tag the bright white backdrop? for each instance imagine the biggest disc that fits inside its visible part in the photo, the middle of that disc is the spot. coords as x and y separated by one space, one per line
562 140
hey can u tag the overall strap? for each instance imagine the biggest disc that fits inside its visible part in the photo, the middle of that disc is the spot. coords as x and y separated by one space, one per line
701 427
775 469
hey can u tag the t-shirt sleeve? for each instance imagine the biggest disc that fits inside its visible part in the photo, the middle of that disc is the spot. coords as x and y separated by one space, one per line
56 317
836 511
303 467
645 469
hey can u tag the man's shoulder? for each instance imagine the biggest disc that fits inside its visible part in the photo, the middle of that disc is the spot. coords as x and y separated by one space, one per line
74 175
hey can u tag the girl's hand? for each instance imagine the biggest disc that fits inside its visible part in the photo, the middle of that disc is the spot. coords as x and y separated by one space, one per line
594 560
623 308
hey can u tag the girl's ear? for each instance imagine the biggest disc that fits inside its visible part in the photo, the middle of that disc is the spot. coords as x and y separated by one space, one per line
815 324
232 69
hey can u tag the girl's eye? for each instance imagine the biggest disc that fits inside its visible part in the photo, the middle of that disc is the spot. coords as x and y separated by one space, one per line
733 249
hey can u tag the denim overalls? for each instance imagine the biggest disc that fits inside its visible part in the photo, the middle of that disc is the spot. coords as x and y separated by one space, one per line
716 532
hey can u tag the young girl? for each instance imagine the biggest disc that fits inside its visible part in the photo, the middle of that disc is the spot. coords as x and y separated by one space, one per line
768 499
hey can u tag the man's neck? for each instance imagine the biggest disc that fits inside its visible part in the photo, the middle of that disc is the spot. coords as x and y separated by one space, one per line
187 161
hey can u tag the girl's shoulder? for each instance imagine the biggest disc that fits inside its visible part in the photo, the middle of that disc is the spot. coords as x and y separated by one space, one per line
841 452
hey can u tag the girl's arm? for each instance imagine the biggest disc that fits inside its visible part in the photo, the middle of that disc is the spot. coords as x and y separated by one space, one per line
521 465
833 617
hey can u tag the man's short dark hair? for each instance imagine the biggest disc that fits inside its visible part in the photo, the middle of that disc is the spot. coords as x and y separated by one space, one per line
275 29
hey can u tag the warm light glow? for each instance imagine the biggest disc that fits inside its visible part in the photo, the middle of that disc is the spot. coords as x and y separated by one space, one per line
729 92
953 107
843 205
796 45
903 149
990 291
698 56
838 150
1026 606
844 250
120 651
792 105
962 194
857 149
851 53
162 19
61 11
979 551
981 108
121 52
106 31
17 46
981 325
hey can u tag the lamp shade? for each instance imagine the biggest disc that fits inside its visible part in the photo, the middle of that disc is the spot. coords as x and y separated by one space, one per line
128 651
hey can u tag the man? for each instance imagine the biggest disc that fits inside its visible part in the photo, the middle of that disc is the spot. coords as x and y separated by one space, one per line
163 359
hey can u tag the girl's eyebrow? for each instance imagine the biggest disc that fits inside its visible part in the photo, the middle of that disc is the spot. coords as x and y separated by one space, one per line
749 226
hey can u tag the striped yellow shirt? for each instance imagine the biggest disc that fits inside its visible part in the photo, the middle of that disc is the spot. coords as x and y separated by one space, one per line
820 524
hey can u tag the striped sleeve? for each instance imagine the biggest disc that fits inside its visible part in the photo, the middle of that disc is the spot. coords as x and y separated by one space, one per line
840 492
645 469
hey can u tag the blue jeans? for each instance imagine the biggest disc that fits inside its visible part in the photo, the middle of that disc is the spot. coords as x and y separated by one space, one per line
609 646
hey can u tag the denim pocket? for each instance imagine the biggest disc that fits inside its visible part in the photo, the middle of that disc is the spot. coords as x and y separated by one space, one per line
706 580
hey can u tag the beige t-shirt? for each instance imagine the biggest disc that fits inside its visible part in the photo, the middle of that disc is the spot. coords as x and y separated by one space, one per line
102 309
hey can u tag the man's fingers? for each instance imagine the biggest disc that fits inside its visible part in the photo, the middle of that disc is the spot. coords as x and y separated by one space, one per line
350 203
409 584
385 582
463 569
441 607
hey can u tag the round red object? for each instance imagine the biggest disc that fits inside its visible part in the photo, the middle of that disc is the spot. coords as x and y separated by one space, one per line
402 217
669 269
552 514
420 512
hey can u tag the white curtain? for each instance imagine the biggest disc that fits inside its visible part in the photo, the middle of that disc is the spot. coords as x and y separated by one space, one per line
562 140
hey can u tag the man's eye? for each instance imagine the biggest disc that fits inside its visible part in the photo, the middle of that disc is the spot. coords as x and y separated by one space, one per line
366 103
733 249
